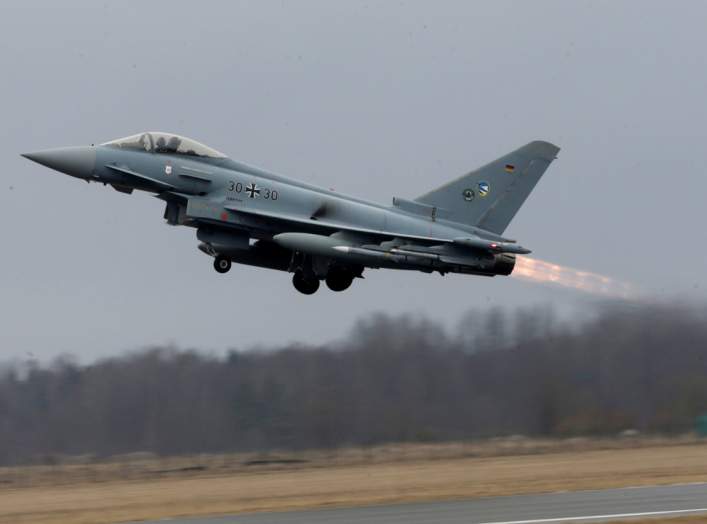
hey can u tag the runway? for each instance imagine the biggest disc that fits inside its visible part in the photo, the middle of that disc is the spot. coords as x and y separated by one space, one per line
581 506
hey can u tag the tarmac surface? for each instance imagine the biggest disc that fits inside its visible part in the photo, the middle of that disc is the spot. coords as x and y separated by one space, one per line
580 506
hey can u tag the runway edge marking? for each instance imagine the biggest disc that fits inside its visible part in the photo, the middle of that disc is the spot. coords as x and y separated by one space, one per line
602 517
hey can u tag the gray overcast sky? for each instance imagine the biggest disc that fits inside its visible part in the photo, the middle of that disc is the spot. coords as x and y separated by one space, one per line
375 99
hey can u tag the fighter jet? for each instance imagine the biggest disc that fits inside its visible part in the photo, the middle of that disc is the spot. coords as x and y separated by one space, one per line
247 215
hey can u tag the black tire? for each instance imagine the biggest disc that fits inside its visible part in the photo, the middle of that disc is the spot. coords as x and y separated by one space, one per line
306 286
222 264
339 280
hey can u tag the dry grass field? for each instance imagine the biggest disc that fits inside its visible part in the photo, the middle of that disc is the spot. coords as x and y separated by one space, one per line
143 487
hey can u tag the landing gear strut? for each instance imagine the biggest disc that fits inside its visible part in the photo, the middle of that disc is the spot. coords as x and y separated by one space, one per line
222 264
307 285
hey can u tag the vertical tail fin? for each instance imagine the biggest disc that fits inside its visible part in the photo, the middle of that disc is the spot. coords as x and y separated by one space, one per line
490 196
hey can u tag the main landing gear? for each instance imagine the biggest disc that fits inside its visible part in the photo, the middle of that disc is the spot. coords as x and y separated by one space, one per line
338 280
305 284
308 283
307 276
222 264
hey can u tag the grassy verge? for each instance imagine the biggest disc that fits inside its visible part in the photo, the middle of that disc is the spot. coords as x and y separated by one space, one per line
149 488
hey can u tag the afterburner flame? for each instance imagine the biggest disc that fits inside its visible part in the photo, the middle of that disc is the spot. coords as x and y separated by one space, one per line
543 272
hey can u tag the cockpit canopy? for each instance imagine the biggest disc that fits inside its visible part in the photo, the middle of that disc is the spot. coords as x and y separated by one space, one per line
155 142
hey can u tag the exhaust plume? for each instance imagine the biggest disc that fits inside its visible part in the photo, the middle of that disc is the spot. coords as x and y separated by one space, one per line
534 270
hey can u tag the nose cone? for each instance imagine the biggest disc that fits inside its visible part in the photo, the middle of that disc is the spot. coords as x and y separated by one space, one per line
75 161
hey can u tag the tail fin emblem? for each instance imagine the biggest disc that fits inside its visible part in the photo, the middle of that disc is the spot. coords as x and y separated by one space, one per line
484 189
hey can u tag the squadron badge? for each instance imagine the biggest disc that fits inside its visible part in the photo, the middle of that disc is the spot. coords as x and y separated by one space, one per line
484 189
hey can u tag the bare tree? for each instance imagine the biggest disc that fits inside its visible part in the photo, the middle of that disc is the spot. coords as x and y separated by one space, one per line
392 379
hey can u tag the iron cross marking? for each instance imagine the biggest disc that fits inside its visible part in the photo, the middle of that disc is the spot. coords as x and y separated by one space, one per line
252 190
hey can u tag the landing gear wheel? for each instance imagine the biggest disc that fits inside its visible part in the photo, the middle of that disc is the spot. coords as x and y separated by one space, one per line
305 285
222 264
338 281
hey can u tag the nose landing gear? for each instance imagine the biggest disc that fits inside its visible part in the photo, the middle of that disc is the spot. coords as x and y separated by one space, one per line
222 264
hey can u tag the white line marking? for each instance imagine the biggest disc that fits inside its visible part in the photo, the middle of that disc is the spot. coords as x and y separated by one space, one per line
601 517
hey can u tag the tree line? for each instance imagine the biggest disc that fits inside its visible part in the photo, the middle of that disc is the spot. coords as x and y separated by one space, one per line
627 366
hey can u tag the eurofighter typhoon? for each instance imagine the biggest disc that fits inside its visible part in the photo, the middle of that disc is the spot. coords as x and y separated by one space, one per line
247 215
